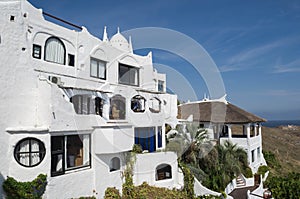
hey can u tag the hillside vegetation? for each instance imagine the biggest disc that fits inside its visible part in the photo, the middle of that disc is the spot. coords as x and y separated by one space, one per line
285 145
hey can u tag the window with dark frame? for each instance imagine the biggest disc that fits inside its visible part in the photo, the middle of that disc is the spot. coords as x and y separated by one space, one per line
36 51
71 60
12 18
55 51
161 86
138 103
29 152
128 75
97 68
252 155
69 152
163 171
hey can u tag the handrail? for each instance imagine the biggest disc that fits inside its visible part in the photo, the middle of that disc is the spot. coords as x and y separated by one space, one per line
256 195
61 20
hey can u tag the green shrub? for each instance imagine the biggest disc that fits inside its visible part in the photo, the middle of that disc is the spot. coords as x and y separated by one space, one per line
271 160
285 187
262 170
188 180
29 190
248 172
128 191
112 193
137 148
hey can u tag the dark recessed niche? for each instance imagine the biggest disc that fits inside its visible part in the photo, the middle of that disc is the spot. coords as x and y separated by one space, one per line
12 18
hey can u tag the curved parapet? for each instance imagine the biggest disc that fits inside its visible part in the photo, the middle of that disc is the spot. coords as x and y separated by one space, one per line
201 190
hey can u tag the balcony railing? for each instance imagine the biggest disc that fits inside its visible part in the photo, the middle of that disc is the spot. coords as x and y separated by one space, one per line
242 140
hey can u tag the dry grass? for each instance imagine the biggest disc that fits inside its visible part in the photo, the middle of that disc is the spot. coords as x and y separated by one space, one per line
285 144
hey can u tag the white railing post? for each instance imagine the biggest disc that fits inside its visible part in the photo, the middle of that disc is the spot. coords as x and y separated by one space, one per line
229 131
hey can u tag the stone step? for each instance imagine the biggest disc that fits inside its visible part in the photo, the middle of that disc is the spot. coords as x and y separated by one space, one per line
240 182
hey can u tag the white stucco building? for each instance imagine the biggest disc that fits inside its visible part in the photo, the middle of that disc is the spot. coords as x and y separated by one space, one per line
227 122
72 105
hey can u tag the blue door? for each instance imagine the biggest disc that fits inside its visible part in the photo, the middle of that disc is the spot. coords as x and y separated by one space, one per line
146 138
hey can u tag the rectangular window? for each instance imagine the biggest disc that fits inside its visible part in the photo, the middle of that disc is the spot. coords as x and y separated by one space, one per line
252 156
69 152
71 60
36 51
83 104
159 137
98 69
161 86
258 152
128 75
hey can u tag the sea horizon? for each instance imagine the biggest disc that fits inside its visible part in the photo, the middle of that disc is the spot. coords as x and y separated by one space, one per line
276 123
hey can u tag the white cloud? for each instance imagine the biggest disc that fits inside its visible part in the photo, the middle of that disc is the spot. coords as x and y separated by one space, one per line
229 68
253 57
293 66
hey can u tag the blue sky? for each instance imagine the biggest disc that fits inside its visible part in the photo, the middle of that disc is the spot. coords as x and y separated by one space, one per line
255 44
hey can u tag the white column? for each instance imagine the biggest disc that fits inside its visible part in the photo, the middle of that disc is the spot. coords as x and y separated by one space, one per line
255 129
163 134
229 131
247 126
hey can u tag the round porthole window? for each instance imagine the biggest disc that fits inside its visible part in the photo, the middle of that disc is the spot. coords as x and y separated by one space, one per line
29 152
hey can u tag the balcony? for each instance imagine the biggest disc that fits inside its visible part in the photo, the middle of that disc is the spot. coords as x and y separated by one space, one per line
242 140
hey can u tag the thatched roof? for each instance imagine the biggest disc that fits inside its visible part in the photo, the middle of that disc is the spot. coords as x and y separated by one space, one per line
217 112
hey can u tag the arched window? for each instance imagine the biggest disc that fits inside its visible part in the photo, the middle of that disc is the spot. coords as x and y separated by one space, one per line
163 171
117 108
115 164
138 103
29 152
154 105
55 51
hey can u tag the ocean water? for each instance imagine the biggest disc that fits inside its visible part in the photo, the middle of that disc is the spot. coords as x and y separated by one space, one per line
276 123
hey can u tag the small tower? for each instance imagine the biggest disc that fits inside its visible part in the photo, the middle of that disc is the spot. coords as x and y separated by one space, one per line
105 38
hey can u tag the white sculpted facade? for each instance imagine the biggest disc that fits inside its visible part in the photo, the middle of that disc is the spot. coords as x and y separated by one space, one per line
72 105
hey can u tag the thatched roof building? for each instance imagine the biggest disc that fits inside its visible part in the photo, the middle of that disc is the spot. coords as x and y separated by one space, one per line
216 112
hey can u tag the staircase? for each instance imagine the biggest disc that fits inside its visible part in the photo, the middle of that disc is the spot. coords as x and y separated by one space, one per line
240 182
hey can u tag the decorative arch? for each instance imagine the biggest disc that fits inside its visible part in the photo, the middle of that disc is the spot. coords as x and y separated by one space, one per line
129 60
138 103
117 108
55 51
99 53
115 164
163 171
